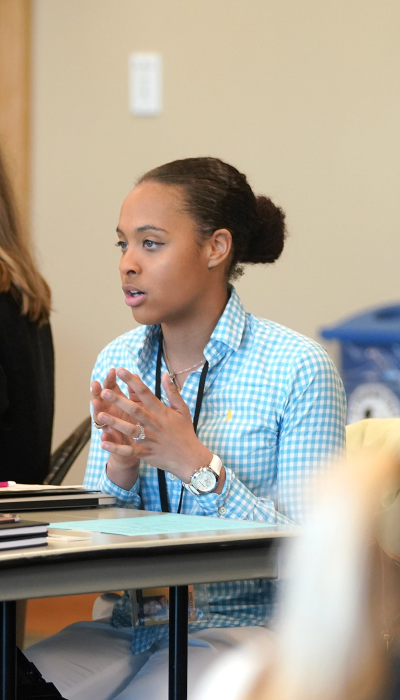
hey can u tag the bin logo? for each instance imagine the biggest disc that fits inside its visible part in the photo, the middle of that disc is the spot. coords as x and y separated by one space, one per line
372 400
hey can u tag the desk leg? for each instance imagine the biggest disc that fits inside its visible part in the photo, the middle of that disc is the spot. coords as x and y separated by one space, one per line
178 642
8 650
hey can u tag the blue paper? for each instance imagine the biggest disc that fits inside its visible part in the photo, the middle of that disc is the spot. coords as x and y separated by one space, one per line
168 524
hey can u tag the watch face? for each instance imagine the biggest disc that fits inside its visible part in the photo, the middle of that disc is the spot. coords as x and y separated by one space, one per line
204 481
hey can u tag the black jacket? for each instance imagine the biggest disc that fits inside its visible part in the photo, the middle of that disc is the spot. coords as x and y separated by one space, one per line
26 395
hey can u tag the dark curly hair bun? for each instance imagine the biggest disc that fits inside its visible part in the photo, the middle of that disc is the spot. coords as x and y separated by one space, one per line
268 238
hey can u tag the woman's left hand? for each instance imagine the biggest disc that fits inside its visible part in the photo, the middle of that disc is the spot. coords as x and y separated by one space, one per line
170 442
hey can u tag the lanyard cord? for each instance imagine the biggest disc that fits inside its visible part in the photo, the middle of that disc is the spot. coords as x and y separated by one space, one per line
162 485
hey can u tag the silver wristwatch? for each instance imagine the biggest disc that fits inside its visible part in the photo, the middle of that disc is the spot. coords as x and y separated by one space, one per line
205 479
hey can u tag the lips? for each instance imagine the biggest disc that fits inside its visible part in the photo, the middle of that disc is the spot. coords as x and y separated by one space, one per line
133 295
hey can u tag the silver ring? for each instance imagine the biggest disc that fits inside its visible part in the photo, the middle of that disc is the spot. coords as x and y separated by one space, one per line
99 426
142 434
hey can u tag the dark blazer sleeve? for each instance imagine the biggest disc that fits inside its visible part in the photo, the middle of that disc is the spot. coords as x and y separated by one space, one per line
26 395
4 403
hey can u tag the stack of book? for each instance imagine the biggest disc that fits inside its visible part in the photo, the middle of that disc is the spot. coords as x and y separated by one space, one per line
23 533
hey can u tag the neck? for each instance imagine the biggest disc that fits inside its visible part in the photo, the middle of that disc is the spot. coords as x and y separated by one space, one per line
186 339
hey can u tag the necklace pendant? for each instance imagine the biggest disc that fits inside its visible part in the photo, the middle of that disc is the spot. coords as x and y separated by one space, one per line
173 380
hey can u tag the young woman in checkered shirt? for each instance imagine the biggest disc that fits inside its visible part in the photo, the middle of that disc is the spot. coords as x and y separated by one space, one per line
272 411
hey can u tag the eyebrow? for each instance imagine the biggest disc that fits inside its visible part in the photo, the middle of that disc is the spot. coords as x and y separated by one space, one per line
145 227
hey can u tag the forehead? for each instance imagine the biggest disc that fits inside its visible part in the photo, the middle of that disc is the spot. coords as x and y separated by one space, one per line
154 203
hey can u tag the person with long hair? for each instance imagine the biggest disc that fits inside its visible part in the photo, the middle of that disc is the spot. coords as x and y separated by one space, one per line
26 353
203 409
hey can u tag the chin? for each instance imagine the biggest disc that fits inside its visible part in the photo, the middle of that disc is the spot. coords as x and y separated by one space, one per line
145 318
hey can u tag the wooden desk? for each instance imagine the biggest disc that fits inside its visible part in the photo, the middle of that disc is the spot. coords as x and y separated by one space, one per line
114 562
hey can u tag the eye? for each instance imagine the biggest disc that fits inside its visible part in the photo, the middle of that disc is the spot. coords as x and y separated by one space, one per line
151 245
122 245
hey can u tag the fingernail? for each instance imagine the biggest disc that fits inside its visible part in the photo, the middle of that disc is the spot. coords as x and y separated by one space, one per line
122 373
107 394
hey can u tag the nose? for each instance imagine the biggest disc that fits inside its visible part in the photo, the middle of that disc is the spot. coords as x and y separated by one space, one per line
129 264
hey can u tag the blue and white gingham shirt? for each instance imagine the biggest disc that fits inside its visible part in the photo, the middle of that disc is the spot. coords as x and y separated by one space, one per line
274 412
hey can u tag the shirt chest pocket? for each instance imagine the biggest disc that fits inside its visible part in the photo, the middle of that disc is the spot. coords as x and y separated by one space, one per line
244 441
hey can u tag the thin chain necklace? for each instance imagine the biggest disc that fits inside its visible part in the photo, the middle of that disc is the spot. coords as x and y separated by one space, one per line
173 375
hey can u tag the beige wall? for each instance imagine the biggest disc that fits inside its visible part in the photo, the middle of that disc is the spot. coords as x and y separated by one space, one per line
303 96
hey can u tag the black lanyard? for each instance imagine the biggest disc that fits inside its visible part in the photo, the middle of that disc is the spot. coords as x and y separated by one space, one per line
162 486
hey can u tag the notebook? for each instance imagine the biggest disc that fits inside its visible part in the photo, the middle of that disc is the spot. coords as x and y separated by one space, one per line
24 533
25 497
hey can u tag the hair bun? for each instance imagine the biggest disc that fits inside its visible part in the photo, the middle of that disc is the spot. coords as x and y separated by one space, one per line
267 241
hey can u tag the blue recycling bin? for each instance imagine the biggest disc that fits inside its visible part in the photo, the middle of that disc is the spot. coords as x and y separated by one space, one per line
370 362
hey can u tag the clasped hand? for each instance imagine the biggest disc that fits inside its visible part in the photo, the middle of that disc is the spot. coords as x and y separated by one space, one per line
170 441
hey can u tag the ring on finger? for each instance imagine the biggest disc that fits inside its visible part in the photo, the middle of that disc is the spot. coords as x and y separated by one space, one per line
142 434
99 426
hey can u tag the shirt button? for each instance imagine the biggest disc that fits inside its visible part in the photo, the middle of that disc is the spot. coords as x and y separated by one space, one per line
172 477
221 511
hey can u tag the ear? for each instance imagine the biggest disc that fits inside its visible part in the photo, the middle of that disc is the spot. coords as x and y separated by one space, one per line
219 247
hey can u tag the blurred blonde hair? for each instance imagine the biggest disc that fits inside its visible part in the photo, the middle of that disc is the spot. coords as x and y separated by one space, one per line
329 640
18 271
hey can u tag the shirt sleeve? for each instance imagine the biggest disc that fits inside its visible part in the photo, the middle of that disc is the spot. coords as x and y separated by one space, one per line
96 475
311 432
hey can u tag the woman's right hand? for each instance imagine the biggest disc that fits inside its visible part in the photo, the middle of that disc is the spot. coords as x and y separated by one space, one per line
121 470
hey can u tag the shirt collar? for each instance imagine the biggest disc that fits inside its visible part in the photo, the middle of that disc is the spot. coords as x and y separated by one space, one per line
229 330
148 352
227 334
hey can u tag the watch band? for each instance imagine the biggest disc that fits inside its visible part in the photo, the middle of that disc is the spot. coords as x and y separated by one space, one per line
214 467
